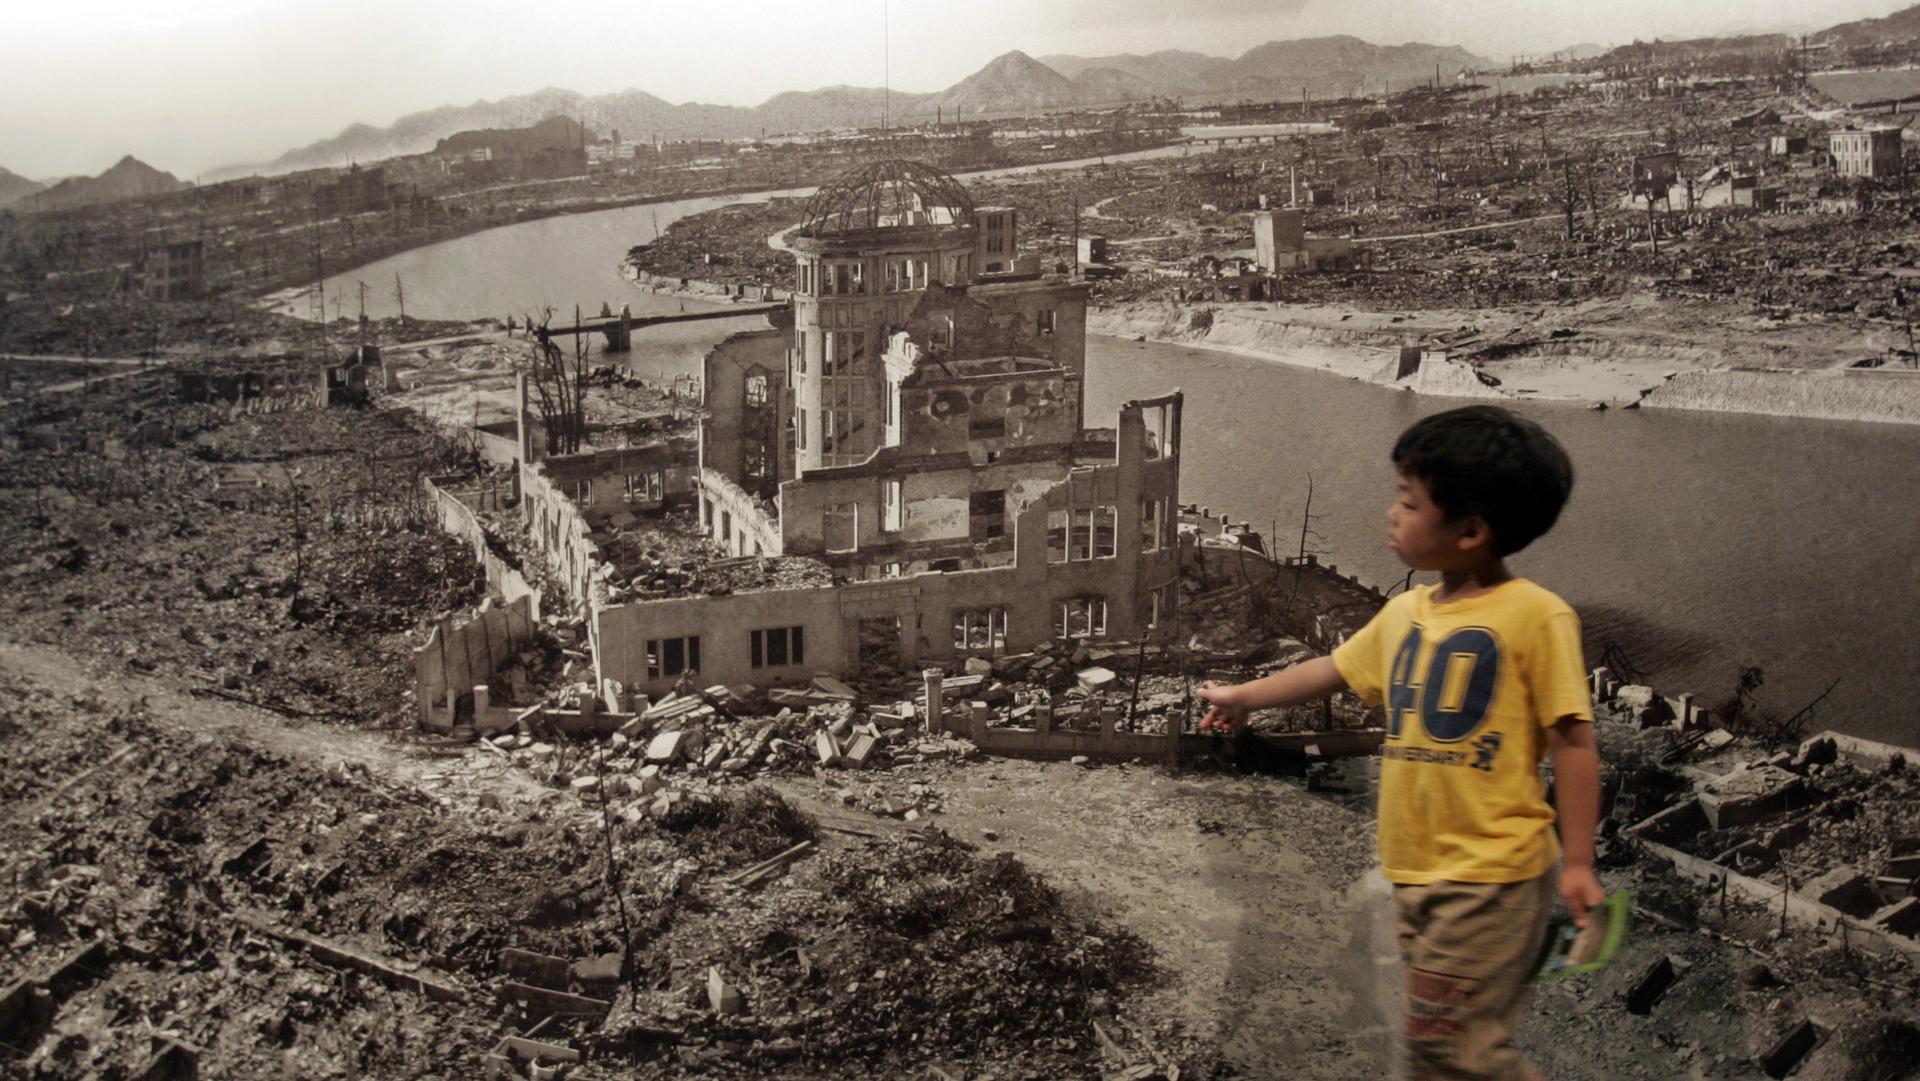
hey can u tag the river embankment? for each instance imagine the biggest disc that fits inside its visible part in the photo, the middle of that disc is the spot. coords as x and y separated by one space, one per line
1889 395
1632 356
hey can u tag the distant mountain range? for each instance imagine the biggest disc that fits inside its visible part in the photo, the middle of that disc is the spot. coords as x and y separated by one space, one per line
129 178
1904 23
14 187
1014 82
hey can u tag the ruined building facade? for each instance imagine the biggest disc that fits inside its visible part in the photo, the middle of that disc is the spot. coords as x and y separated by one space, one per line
1865 151
918 427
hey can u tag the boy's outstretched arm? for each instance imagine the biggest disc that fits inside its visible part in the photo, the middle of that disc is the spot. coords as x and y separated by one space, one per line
1576 786
1290 686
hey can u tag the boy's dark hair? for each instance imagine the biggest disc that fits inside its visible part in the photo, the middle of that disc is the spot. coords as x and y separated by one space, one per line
1482 460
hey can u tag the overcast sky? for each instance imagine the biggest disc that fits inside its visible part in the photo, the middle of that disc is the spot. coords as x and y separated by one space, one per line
190 85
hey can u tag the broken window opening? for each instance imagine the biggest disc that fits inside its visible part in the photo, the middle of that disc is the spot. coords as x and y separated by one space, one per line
1057 536
1081 617
846 352
840 527
582 491
672 656
845 279
879 642
756 460
892 508
650 487
1150 528
777 647
756 391
986 515
944 566
1043 323
1104 532
980 628
1159 422
1160 605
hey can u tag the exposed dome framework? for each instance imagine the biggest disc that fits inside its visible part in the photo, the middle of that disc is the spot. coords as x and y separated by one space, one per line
886 193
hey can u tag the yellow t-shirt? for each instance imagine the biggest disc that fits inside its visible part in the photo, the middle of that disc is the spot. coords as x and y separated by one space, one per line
1468 686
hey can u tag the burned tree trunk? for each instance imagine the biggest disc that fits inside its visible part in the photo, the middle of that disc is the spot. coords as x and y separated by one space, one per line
559 383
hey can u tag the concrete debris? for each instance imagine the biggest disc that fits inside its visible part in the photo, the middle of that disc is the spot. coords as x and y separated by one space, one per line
724 998
1746 795
1094 680
665 747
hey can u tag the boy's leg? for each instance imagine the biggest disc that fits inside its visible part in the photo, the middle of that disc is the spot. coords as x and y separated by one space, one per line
1468 947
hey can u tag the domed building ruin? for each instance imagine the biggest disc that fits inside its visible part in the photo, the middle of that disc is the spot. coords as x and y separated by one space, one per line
918 428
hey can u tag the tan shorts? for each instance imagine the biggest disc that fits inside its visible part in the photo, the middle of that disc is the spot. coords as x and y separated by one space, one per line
1468 947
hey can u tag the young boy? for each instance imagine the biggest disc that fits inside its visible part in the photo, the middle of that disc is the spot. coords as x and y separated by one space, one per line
1478 675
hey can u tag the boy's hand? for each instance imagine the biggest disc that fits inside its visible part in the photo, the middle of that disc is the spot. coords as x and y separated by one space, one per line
1580 889
1224 709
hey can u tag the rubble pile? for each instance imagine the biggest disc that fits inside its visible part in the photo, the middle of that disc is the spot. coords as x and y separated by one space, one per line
697 743
286 559
176 869
902 950
267 914
667 555
1843 833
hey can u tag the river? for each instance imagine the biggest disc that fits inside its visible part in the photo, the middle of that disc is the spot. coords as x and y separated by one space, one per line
569 259
1696 542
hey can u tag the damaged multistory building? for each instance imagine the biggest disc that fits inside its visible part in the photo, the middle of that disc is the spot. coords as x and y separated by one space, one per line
915 426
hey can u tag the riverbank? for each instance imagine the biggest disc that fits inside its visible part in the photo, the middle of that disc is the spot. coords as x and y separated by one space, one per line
1634 352
291 298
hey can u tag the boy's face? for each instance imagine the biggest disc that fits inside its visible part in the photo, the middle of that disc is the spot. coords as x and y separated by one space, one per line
1418 530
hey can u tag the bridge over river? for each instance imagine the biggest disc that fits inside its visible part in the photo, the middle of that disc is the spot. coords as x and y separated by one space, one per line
619 328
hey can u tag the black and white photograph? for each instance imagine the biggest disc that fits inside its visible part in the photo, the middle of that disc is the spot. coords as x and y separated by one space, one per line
960 540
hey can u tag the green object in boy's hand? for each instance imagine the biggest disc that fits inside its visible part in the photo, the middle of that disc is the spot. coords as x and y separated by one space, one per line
1570 949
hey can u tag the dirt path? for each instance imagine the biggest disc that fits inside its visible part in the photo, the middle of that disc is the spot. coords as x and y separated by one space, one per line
454 774
1248 888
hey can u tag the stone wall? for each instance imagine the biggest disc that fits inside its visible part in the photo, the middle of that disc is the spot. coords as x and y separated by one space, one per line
461 655
455 511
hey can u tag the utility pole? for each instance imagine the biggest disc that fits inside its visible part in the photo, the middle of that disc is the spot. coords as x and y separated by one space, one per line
1566 169
319 305
1075 254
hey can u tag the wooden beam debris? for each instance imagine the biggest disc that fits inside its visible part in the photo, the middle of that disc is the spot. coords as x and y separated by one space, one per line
340 955
767 868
